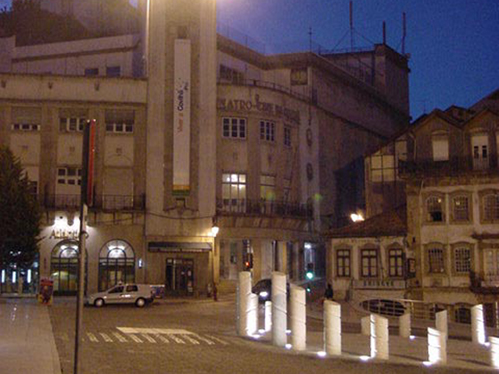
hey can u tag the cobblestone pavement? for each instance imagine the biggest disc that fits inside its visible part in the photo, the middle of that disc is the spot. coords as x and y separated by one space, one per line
186 337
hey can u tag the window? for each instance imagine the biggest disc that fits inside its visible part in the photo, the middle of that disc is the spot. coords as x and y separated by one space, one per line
234 128
440 148
383 167
434 209
369 263
343 263
71 124
234 192
460 208
267 187
91 72
463 315
113 71
287 136
120 121
491 207
117 289
299 77
69 175
267 131
479 145
132 288
462 260
395 263
25 127
436 260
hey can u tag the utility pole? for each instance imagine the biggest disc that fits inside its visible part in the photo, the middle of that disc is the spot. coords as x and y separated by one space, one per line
86 199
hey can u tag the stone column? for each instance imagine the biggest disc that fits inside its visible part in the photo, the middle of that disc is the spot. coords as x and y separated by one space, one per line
332 328
478 324
405 325
298 318
243 301
379 337
437 346
279 313
252 317
441 322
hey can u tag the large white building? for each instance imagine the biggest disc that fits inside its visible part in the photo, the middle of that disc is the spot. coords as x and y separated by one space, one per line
194 130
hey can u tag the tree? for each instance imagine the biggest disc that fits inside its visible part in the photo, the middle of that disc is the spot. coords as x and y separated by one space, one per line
19 213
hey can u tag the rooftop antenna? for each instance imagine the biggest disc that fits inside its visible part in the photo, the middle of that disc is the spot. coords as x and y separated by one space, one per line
310 39
384 32
351 25
404 32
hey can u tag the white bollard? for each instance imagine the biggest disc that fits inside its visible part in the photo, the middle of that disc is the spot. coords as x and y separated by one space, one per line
437 346
244 287
405 325
478 325
298 318
379 337
365 324
279 313
494 351
268 316
441 322
252 318
332 328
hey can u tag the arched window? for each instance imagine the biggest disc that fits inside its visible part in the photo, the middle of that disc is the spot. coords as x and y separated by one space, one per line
64 267
116 264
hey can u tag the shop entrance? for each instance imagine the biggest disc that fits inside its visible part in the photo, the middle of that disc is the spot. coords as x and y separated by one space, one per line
64 268
179 276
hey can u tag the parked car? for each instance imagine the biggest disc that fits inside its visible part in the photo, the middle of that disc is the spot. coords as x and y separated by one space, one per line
385 307
138 294
263 288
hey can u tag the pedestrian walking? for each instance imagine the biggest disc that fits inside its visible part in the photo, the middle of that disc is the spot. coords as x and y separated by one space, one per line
329 293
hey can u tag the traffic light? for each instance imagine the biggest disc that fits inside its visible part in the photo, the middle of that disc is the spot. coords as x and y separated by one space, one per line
310 271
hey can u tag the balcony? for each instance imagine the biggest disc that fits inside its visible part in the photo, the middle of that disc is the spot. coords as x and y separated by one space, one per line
104 202
456 166
378 284
269 208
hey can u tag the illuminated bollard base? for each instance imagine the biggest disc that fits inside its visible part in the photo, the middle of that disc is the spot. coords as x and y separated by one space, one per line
268 316
441 323
478 325
494 351
405 326
298 318
244 288
252 318
437 347
332 328
279 312
379 337
365 325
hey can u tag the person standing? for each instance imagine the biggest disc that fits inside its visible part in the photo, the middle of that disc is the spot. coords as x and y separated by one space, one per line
329 293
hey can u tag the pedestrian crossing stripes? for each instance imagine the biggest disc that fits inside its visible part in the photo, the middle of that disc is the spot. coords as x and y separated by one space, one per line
181 337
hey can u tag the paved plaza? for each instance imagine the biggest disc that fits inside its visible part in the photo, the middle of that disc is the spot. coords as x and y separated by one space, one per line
194 336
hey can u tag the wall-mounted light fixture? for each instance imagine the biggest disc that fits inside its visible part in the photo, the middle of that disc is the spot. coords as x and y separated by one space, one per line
214 227
141 263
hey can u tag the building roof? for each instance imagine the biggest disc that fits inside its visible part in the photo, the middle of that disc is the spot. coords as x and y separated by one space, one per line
391 223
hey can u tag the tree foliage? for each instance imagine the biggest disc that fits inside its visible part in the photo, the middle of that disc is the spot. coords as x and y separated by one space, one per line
19 213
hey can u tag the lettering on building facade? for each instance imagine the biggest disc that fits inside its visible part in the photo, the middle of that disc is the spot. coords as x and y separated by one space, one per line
237 105
64 234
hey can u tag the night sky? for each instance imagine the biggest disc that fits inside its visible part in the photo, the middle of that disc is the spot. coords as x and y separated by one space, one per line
453 44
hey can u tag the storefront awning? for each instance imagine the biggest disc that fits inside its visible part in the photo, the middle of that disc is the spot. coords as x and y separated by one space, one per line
177 247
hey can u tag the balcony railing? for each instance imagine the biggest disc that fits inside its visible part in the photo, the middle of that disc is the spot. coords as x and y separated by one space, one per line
453 167
385 284
264 207
104 202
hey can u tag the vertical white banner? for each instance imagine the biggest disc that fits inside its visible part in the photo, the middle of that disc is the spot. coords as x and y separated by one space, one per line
182 117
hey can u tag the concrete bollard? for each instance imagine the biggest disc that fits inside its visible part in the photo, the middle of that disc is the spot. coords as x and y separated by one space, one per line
244 288
298 311
332 328
279 313
437 346
365 325
252 318
478 325
405 325
268 316
494 351
379 337
441 323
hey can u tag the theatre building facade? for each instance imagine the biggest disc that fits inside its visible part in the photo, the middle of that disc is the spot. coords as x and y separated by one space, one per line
201 133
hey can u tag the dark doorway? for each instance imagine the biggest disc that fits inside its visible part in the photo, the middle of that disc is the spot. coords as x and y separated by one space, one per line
179 276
